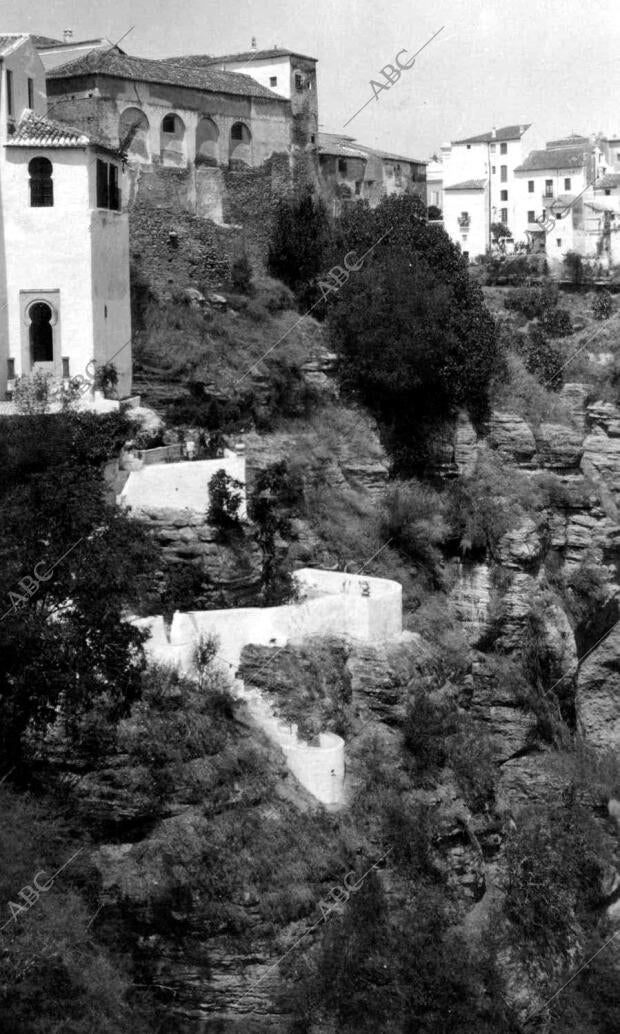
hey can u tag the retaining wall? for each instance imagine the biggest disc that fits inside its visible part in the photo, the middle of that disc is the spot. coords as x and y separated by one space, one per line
331 603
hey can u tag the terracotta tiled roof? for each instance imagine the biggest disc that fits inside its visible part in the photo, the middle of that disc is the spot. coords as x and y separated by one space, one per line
557 158
40 131
336 143
253 55
467 185
612 179
9 39
504 133
145 70
41 42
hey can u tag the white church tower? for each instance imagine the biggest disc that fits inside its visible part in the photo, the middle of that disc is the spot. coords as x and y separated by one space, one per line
64 242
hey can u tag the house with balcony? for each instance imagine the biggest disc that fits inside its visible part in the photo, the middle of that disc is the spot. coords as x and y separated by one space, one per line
64 242
562 200
490 159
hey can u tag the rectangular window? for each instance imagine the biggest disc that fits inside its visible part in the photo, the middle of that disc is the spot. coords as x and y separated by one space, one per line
503 148
493 148
299 82
342 166
567 183
31 94
493 169
608 192
273 80
558 241
504 195
504 216
548 188
9 94
114 194
503 173
102 184
531 216
530 186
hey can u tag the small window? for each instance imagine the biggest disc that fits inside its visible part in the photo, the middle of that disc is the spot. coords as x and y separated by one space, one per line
299 81
493 148
342 166
531 216
608 192
102 184
41 183
31 94
503 148
273 80
469 147
504 216
558 241
530 186
358 186
313 139
503 173
168 124
9 94
548 188
504 195
567 183
493 169
236 132
618 156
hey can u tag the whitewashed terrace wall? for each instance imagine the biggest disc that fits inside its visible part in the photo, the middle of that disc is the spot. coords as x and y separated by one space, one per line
179 486
332 603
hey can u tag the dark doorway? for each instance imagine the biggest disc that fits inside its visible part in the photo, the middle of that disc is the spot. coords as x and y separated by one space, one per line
41 333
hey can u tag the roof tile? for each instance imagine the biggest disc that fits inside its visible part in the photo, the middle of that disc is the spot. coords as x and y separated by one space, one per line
556 158
40 131
504 133
122 66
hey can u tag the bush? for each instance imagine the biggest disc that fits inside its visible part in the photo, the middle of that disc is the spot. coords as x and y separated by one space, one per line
33 392
542 358
224 501
413 521
427 724
470 755
241 274
533 301
602 306
557 322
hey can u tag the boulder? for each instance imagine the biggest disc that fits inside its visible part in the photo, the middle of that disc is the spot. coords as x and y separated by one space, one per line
521 546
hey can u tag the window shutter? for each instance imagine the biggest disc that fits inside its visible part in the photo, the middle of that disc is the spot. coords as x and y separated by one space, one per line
114 193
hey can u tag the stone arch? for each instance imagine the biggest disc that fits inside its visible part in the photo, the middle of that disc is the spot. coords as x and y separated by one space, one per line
207 141
133 134
172 140
240 143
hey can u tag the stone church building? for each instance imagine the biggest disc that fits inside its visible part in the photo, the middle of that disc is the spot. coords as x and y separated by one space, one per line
64 241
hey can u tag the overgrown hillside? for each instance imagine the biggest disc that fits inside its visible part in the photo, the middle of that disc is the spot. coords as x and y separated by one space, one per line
458 439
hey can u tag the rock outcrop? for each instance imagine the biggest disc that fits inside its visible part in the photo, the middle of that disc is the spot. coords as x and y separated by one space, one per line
598 694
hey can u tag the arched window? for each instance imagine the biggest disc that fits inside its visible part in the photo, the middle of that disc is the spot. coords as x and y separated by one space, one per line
41 183
240 142
207 136
172 140
133 134
41 334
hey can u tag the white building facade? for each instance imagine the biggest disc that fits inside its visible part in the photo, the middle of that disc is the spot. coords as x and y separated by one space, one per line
64 271
489 161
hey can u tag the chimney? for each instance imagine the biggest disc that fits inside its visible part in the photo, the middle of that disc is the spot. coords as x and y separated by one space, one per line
494 133
253 44
521 130
67 35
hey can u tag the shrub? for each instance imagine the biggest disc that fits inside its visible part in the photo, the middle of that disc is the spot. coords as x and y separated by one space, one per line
542 358
602 306
241 274
557 322
426 725
413 521
470 755
33 392
106 378
533 301
224 501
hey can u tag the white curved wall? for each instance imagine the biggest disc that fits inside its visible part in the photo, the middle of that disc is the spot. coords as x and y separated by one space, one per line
331 603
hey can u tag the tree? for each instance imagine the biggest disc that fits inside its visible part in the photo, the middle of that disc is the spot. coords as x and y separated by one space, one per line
499 230
414 339
433 212
275 497
300 245
65 647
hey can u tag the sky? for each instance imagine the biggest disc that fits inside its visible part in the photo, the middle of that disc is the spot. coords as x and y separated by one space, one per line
552 63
